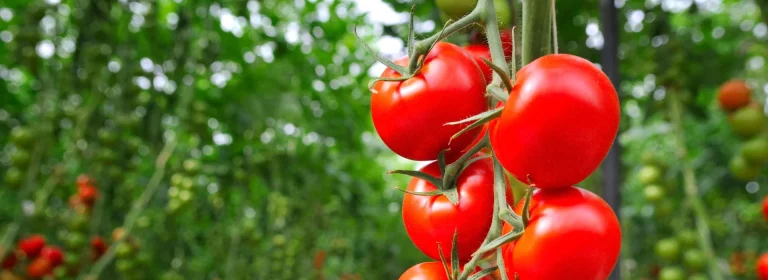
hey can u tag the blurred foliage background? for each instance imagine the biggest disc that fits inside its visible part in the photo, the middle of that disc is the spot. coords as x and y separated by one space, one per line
273 168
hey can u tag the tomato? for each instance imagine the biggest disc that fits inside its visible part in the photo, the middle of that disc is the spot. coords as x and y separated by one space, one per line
762 267
98 247
668 249
31 246
19 157
478 52
653 193
410 116
572 234
429 271
755 150
39 267
21 136
695 260
87 194
10 260
455 9
559 122
13 176
479 38
84 179
53 254
742 169
688 238
765 208
733 95
649 174
671 273
747 122
430 220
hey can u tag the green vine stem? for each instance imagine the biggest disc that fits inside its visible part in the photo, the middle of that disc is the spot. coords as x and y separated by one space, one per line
137 208
691 188
536 30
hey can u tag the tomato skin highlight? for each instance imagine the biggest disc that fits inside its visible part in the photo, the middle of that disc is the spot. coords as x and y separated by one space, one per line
430 220
762 267
410 116
429 271
572 234
559 122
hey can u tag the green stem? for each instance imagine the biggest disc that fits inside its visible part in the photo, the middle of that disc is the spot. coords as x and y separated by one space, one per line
421 47
137 208
536 29
691 188
494 39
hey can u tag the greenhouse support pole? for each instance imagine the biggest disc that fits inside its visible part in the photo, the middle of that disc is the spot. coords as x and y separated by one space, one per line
610 64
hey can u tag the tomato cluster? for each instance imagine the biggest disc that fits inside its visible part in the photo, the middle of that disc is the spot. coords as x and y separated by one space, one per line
747 121
41 259
559 122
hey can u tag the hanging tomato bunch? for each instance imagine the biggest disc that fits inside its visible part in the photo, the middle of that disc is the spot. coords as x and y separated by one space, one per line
747 121
555 121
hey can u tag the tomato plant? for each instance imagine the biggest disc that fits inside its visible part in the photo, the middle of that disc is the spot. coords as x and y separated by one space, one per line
449 88
559 122
432 220
563 222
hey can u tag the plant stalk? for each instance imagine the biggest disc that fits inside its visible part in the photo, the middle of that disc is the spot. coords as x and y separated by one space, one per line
691 187
536 29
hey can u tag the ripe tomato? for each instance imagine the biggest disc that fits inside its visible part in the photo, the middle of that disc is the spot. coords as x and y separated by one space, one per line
572 234
765 208
429 271
87 194
39 268
478 52
98 247
559 122
733 95
747 122
410 116
53 254
430 220
31 246
762 267
9 261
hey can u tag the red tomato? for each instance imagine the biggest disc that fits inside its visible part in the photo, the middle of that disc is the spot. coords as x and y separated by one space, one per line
430 220
765 208
98 247
559 122
31 246
87 194
410 116
733 95
506 41
9 261
429 271
479 51
53 254
39 268
762 267
572 234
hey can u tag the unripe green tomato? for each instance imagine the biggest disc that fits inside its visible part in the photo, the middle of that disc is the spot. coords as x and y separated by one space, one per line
174 205
664 208
653 193
747 122
278 240
192 166
649 174
187 183
123 250
75 240
124 265
694 260
755 150
455 9
668 249
671 273
107 136
698 276
176 179
20 157
60 272
742 169
688 238
77 222
72 258
22 136
13 176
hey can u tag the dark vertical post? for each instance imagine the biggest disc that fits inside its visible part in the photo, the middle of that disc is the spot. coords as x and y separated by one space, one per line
610 64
